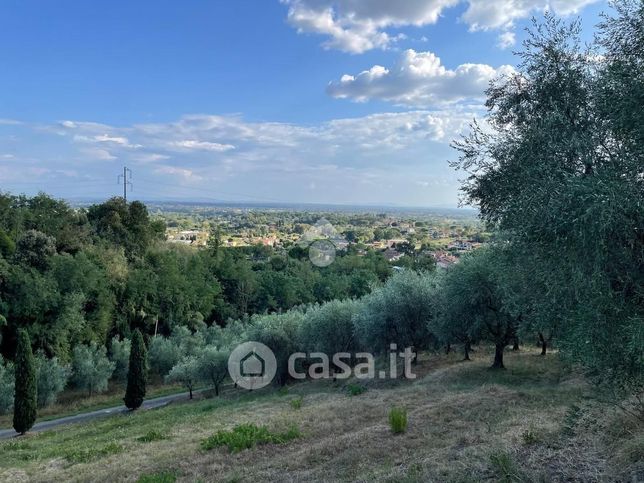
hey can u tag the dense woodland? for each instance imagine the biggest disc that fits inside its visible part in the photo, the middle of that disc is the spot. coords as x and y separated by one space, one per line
557 171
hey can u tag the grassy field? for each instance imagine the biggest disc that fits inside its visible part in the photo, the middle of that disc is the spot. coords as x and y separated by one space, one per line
535 421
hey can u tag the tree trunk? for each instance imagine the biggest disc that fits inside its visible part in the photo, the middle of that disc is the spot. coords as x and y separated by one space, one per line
190 390
515 347
544 344
466 349
448 348
216 390
498 357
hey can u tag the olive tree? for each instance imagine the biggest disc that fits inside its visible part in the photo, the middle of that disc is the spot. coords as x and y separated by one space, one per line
91 369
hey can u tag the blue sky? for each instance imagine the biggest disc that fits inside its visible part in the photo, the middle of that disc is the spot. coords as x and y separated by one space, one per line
334 101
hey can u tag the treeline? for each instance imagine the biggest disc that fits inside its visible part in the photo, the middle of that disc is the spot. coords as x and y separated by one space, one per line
79 276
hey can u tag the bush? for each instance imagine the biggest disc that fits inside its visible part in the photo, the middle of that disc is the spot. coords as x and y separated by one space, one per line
245 436
163 355
120 356
355 389
151 436
398 420
7 381
52 379
297 402
91 368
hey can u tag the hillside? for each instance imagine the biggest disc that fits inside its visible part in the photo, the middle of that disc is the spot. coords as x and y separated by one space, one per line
535 421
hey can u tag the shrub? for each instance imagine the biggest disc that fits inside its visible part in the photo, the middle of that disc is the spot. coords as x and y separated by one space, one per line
245 436
163 355
355 389
52 379
137 373
505 468
24 403
151 436
91 368
7 383
120 356
398 420
185 373
297 402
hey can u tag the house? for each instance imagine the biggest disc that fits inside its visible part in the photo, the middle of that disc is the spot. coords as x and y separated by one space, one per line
392 255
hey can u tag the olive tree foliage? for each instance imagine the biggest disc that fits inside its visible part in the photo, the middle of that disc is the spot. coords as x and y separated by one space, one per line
163 355
6 386
559 169
213 366
328 327
120 356
398 313
185 373
280 333
51 379
91 369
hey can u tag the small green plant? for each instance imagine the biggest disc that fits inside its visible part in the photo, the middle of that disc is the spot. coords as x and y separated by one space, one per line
530 436
161 477
245 436
355 389
151 436
505 468
85 455
398 420
283 391
297 402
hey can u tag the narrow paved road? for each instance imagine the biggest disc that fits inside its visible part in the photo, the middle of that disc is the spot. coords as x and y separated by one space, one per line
79 418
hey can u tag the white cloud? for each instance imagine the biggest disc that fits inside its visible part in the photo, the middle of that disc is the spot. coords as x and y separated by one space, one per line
187 174
356 26
418 79
506 40
191 144
97 154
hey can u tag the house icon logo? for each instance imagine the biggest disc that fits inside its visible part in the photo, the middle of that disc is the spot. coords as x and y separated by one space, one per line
252 365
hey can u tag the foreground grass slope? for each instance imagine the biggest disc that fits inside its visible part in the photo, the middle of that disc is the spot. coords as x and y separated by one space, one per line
536 421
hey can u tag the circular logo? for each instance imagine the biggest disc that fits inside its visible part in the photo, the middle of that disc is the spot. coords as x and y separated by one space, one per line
252 365
322 253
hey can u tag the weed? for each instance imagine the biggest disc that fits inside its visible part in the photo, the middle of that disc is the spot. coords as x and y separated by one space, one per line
530 436
161 477
297 403
151 436
505 468
398 420
84 455
245 436
355 389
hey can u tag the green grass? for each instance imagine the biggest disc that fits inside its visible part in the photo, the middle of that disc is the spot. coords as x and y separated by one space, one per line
151 436
398 420
297 402
246 436
505 468
355 389
85 455
161 477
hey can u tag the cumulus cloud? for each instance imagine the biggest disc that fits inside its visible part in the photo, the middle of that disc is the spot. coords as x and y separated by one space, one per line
418 79
506 40
356 26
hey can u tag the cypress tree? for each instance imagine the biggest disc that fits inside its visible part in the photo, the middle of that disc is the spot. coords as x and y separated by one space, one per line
137 372
25 398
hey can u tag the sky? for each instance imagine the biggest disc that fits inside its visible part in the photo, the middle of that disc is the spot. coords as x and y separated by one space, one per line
320 101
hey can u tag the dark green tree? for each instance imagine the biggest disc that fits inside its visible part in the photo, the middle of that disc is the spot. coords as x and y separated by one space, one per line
25 399
137 373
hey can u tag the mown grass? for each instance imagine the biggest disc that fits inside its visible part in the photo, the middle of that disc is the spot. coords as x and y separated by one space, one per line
531 422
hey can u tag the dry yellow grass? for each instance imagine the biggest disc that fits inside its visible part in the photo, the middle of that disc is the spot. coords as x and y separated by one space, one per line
466 423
